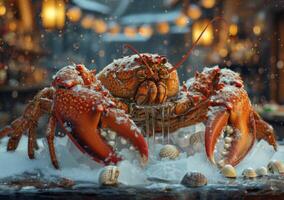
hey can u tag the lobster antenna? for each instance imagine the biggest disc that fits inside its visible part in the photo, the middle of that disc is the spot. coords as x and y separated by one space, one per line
128 46
185 56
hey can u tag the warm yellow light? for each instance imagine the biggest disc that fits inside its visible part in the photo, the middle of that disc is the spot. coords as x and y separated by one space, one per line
163 27
12 26
99 26
182 20
257 30
130 31
208 3
207 37
194 12
114 29
74 14
223 52
87 22
146 31
2 10
53 13
233 29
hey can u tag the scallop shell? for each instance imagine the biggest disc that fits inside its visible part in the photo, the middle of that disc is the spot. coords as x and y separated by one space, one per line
249 173
229 171
276 167
261 171
169 151
109 175
194 179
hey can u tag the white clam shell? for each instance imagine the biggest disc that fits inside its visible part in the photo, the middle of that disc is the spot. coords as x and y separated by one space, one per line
109 176
229 171
249 173
261 171
276 167
169 151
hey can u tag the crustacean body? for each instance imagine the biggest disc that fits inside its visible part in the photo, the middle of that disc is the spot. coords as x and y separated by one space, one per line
214 96
83 109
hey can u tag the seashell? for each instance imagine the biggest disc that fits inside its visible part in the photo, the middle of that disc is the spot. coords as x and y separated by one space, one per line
261 171
276 167
195 138
194 179
229 171
249 173
169 151
109 175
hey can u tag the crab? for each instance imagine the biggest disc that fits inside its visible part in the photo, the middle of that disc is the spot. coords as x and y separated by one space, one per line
214 96
80 105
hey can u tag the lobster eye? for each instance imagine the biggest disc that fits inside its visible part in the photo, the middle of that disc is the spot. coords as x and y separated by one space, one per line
141 74
163 74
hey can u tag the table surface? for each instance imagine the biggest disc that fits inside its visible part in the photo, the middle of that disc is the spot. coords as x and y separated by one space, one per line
27 187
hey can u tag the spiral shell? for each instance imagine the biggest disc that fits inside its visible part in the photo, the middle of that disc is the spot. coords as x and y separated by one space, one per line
261 171
249 173
229 171
276 167
109 175
169 151
194 179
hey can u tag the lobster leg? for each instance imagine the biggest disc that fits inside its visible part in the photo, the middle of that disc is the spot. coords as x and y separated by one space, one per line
31 142
50 140
34 110
18 128
264 131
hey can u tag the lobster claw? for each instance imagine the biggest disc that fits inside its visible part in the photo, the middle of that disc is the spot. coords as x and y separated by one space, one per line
91 124
117 121
240 134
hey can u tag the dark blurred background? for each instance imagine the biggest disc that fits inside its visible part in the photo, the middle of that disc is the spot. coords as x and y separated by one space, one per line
39 37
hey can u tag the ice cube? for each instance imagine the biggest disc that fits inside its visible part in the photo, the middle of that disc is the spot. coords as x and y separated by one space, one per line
260 155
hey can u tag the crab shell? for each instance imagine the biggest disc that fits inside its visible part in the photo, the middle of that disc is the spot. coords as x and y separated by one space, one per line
121 77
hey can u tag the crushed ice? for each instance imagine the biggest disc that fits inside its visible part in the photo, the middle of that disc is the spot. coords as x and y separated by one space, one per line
78 167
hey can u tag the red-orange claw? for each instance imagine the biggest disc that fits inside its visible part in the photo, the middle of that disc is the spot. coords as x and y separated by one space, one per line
214 126
117 121
240 137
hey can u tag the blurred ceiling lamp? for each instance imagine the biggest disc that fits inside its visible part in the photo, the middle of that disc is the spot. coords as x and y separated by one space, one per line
208 3
146 31
26 15
182 20
114 28
207 37
257 30
87 21
233 29
74 14
99 26
2 9
194 12
53 14
163 27
130 31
